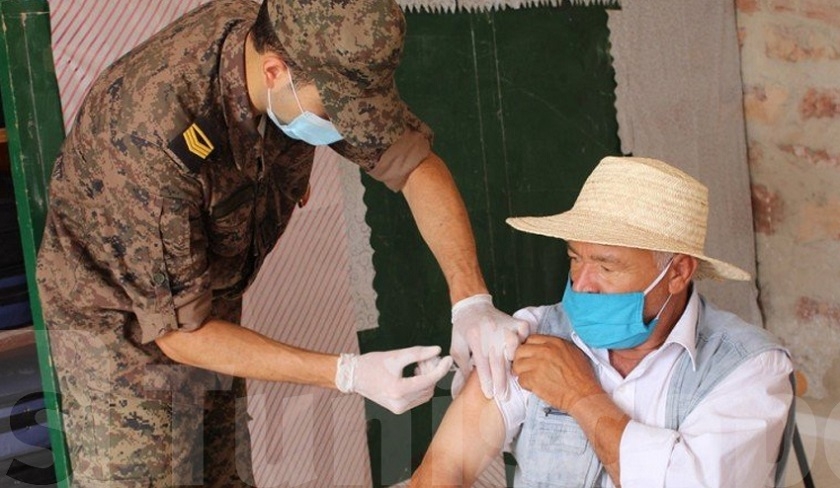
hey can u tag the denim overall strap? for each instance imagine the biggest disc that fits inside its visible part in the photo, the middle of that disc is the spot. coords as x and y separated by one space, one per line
723 342
552 450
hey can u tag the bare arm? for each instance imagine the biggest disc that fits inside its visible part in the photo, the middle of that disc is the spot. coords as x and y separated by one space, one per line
481 335
378 376
228 348
470 436
442 219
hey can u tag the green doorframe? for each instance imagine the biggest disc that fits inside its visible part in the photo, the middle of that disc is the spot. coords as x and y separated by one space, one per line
35 128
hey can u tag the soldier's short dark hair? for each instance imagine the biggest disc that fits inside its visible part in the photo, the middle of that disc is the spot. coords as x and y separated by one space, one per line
263 33
265 39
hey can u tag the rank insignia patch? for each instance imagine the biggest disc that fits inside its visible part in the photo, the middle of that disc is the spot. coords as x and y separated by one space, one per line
195 145
197 142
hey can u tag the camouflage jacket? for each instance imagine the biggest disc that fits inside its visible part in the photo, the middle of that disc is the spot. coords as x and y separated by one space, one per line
170 190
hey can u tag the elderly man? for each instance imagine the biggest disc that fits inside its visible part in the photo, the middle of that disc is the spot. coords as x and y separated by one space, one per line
182 170
633 379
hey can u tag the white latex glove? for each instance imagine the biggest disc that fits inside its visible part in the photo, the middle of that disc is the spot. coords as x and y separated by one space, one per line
491 336
378 377
430 365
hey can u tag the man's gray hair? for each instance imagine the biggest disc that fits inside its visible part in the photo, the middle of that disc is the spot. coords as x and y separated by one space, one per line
662 259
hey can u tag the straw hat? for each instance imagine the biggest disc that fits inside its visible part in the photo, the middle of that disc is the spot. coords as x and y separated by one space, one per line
640 203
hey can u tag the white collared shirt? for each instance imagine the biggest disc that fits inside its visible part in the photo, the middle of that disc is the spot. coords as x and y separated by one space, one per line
723 442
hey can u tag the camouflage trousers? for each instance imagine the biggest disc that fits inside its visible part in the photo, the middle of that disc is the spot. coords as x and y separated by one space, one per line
117 439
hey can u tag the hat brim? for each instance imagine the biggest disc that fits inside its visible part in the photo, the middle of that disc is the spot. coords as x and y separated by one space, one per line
577 226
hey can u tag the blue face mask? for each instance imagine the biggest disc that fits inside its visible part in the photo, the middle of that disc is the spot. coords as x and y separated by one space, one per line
611 320
306 127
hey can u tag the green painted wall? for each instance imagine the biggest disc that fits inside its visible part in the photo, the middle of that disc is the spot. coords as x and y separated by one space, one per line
522 104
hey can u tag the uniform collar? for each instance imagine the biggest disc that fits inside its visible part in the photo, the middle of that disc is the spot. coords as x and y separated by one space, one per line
239 115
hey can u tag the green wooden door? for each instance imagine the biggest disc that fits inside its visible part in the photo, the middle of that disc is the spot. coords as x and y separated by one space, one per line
522 104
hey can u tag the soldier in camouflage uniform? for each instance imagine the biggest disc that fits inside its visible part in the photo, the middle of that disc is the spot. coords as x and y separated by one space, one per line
172 188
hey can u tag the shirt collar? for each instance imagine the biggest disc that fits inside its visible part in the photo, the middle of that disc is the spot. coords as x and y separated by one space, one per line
684 331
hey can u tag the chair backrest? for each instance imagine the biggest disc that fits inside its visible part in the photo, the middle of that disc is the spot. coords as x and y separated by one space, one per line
787 438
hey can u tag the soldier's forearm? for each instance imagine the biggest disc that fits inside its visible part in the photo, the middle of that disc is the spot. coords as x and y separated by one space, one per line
231 349
442 219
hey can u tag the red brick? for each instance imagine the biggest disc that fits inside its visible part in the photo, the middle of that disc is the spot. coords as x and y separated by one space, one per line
827 11
768 210
755 153
817 157
820 103
779 44
800 43
782 6
818 222
764 103
747 6
810 310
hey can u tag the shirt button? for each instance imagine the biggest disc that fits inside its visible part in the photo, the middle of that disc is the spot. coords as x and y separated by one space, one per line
159 278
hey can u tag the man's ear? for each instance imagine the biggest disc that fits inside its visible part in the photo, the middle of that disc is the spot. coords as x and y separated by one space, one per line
274 70
682 272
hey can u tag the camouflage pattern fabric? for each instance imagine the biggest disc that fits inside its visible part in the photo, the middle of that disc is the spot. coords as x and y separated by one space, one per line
352 49
166 197
126 442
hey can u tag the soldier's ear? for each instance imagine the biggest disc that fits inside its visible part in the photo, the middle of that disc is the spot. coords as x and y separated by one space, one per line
274 70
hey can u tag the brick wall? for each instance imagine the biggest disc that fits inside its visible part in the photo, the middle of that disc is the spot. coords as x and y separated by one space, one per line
790 52
790 62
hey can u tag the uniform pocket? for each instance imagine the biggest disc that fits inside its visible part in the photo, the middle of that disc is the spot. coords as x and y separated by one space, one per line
231 223
175 226
183 242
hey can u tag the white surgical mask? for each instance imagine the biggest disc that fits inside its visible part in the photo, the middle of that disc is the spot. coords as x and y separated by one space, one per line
306 127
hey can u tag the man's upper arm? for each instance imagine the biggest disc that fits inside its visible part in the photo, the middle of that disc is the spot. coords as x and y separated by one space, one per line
468 439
